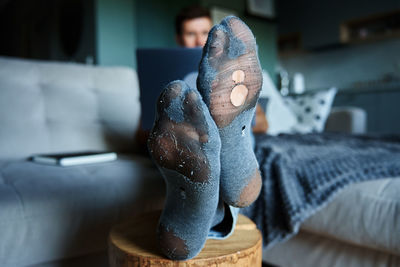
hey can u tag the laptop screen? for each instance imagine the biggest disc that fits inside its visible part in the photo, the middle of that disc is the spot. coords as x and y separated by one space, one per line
159 66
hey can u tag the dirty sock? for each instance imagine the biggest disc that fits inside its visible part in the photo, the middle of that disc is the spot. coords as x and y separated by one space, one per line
185 145
230 80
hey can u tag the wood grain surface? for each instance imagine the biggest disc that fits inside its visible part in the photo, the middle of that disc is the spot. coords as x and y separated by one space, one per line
133 243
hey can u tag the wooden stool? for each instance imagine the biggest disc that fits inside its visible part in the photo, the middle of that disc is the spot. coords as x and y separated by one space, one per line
133 243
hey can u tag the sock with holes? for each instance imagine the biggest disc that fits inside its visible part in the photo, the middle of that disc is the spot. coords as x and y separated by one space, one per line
230 80
185 145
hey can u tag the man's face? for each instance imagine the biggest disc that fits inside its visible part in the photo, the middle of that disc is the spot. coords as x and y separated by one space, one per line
195 32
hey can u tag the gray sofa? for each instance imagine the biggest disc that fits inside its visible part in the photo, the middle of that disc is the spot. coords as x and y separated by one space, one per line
61 216
359 228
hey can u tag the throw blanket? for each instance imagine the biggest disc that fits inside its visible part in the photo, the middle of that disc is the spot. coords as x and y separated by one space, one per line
302 173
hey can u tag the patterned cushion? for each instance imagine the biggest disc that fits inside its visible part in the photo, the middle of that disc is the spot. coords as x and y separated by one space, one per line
311 109
296 114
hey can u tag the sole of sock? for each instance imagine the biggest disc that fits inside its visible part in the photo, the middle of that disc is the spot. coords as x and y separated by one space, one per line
230 81
185 145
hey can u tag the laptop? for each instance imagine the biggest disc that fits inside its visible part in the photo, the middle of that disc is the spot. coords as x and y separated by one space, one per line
159 66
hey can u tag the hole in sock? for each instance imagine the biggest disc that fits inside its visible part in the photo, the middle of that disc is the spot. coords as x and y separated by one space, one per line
238 95
182 192
243 128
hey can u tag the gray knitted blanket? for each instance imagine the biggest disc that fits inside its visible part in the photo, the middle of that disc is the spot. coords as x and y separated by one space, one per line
302 173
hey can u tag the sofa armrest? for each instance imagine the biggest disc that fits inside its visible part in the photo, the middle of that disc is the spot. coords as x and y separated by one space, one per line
347 120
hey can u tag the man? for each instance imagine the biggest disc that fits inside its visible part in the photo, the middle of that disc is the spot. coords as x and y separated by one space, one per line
192 25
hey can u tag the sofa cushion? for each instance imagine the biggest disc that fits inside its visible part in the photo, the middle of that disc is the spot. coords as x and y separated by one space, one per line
366 214
52 107
52 212
280 118
314 250
311 109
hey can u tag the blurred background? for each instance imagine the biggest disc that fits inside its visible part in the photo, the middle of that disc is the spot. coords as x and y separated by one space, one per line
304 46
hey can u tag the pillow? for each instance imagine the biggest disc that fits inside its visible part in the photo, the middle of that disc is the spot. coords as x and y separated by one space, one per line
311 109
280 118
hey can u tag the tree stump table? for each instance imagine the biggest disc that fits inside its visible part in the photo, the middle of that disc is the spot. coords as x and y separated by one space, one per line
134 243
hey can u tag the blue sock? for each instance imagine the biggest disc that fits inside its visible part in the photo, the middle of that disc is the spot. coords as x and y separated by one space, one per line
230 81
185 145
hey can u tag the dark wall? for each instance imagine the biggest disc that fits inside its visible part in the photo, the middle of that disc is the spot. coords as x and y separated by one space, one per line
155 25
155 21
47 29
319 21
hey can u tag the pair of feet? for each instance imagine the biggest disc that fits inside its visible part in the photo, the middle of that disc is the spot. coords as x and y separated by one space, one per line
201 140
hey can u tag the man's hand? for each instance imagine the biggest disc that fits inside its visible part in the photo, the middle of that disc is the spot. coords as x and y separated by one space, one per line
261 125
